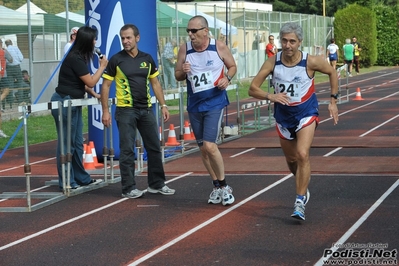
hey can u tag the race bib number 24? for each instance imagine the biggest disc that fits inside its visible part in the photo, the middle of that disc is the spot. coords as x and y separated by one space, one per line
202 81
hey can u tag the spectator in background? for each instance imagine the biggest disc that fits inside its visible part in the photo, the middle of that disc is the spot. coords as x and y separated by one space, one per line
26 85
348 50
332 53
4 91
4 84
271 48
168 62
5 57
14 68
72 37
356 54
255 43
221 37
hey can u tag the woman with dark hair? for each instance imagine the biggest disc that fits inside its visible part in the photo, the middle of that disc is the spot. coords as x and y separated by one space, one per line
74 81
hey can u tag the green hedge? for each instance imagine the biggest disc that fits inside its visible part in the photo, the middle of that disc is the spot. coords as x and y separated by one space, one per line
358 21
387 35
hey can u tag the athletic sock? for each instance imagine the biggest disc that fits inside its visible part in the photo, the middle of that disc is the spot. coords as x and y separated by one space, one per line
222 183
301 197
216 183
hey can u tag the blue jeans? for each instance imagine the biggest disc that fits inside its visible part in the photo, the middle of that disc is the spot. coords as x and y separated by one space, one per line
79 176
128 120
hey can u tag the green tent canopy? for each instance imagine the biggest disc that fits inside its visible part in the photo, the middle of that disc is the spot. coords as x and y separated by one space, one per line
56 24
14 22
166 17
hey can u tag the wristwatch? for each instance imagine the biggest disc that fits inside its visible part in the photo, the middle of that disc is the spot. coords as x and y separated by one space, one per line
229 78
164 105
335 96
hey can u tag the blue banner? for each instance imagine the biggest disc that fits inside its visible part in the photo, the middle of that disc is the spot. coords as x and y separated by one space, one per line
108 16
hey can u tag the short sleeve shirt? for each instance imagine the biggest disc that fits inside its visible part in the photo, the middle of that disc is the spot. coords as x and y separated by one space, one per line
69 82
131 76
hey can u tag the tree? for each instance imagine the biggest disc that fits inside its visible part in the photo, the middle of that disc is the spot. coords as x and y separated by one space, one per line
52 7
358 21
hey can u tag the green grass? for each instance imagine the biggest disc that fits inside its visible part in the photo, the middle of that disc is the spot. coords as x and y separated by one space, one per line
42 128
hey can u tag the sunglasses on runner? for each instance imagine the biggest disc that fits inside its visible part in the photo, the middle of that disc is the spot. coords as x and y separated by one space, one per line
193 31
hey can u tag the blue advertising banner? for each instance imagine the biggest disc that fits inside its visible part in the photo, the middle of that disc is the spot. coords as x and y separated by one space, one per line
108 16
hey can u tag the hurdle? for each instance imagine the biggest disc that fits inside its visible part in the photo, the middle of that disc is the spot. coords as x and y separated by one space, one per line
48 198
259 122
341 86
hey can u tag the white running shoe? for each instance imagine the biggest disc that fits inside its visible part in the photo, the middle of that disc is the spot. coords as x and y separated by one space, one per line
216 196
135 193
227 195
165 190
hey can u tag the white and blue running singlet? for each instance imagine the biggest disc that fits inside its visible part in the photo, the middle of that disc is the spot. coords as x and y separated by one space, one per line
295 81
207 68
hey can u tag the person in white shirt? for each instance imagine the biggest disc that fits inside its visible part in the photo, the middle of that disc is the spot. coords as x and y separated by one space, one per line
332 53
72 37
14 69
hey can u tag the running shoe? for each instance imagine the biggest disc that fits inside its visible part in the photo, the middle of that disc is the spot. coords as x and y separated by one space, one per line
95 182
216 196
165 190
307 197
135 193
299 210
227 195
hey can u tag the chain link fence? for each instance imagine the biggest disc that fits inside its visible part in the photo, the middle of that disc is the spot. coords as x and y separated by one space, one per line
42 38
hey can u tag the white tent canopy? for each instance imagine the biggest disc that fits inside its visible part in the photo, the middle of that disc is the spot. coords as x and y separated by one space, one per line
14 18
72 16
34 9
212 22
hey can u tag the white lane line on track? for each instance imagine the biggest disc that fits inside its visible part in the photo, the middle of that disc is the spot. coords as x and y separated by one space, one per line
359 222
380 125
51 228
361 106
209 221
240 153
20 166
332 152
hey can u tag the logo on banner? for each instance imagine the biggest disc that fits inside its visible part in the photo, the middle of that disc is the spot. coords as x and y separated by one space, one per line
114 24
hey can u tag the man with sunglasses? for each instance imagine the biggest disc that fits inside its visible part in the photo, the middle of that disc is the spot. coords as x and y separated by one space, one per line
208 66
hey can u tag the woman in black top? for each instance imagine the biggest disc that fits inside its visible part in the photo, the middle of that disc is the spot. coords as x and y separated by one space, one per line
73 82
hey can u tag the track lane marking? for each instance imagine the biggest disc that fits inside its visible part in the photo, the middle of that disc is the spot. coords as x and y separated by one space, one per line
359 222
380 125
51 228
361 106
332 152
240 153
209 221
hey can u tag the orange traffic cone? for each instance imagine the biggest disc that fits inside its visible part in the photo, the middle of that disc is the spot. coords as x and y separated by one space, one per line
88 161
172 137
358 95
187 133
94 153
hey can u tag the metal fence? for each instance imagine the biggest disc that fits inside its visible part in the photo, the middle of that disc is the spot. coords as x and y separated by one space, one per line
245 31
